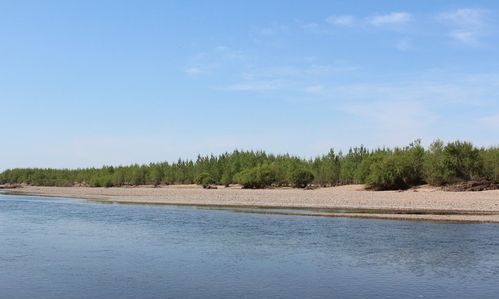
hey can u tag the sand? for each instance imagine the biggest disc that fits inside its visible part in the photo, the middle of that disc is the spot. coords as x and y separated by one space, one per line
425 203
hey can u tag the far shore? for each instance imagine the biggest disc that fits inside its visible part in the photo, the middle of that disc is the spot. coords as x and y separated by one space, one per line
423 203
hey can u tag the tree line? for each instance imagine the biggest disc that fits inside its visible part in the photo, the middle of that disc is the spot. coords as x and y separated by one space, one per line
380 169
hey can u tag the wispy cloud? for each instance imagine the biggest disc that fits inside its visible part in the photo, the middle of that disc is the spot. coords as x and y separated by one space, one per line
343 21
465 17
441 89
214 59
254 86
467 24
391 19
287 78
380 20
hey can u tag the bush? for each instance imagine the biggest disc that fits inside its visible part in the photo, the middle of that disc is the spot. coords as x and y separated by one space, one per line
204 179
104 181
457 161
400 169
226 179
386 174
62 183
258 177
490 158
118 178
435 171
463 159
107 181
300 178
155 176
138 176
95 182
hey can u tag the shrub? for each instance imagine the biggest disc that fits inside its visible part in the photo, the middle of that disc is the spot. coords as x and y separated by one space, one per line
463 159
226 179
95 182
62 183
386 174
118 178
350 165
399 169
435 171
258 177
490 158
155 176
300 178
138 176
457 161
107 181
204 179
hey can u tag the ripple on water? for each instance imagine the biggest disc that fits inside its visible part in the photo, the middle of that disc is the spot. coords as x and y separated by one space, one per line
62 248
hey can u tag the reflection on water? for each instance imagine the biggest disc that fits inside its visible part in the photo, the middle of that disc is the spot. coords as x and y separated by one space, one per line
57 248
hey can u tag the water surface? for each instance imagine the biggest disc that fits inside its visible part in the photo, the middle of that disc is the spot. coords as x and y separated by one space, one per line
66 248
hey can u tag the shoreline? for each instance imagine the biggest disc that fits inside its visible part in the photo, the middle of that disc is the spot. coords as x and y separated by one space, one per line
426 203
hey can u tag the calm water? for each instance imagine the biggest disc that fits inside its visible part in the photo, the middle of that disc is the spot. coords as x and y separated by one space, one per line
61 248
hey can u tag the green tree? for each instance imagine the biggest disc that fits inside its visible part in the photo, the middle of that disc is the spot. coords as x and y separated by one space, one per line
205 179
260 176
301 178
155 175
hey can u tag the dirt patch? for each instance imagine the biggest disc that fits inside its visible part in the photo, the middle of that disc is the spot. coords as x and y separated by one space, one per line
10 186
481 185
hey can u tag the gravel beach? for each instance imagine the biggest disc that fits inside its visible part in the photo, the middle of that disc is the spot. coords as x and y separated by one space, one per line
424 203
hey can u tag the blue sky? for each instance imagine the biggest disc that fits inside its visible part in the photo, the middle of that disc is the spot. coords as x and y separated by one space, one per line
87 83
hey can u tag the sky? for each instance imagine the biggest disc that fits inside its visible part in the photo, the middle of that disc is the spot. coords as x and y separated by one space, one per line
92 83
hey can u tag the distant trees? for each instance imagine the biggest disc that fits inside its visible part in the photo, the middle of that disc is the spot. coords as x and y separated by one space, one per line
261 176
399 168
301 178
459 161
154 175
380 169
490 159
205 179
327 169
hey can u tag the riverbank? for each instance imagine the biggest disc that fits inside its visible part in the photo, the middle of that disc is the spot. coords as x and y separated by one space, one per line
425 203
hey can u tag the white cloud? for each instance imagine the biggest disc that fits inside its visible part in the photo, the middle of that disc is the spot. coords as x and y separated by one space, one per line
467 24
467 37
343 21
391 19
465 17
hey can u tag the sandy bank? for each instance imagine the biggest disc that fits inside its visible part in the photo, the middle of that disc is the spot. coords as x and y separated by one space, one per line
417 204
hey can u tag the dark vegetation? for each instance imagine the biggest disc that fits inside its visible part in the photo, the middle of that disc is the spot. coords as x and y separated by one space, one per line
381 169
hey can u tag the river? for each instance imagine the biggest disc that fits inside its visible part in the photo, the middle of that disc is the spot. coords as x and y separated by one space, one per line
69 248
